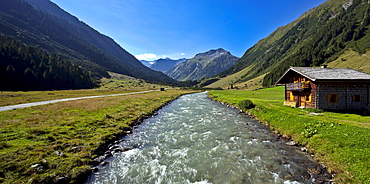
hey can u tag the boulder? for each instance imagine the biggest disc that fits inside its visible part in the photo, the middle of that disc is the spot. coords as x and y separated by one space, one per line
291 143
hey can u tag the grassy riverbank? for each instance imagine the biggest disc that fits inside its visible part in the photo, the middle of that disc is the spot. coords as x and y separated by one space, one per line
20 97
339 141
42 143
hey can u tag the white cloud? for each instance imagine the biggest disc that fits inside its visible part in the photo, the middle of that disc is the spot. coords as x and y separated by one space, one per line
146 56
151 56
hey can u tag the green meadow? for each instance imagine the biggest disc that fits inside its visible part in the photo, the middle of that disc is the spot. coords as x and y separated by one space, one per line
43 143
116 85
339 141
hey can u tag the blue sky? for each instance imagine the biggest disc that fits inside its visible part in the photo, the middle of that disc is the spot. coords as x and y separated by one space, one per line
183 28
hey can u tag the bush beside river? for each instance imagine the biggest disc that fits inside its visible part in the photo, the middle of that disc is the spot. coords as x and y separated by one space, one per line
339 141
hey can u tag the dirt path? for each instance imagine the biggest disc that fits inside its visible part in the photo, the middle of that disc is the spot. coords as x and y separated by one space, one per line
19 106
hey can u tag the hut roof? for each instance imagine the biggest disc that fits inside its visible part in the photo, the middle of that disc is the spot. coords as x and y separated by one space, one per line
326 74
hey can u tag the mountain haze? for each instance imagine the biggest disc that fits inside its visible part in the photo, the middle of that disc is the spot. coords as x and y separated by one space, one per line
166 64
146 63
203 65
321 35
43 24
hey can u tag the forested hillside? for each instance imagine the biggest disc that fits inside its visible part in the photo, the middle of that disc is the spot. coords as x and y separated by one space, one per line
319 36
28 68
43 24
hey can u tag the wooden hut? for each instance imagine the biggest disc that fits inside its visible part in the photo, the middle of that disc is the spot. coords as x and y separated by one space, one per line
326 88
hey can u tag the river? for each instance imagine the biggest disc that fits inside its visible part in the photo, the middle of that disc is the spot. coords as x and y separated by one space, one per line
197 140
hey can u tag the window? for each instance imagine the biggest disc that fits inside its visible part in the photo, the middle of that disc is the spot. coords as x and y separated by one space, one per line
291 96
356 98
332 98
308 97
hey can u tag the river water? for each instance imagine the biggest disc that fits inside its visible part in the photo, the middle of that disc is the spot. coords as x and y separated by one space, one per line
197 140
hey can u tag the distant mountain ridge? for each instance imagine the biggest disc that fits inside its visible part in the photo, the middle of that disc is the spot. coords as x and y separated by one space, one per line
43 24
321 35
146 63
203 65
165 64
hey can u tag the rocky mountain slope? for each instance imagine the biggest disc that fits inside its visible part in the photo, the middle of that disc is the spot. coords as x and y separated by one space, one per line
43 24
203 65
328 33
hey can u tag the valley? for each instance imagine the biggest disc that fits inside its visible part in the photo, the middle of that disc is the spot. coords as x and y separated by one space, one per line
59 141
337 140
198 140
46 53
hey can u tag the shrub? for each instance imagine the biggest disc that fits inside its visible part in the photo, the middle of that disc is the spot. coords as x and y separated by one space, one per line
246 104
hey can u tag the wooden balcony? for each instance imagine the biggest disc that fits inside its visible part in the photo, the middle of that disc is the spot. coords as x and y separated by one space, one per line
297 86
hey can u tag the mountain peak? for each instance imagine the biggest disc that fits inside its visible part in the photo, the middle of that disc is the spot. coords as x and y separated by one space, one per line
220 50
166 64
203 65
213 53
